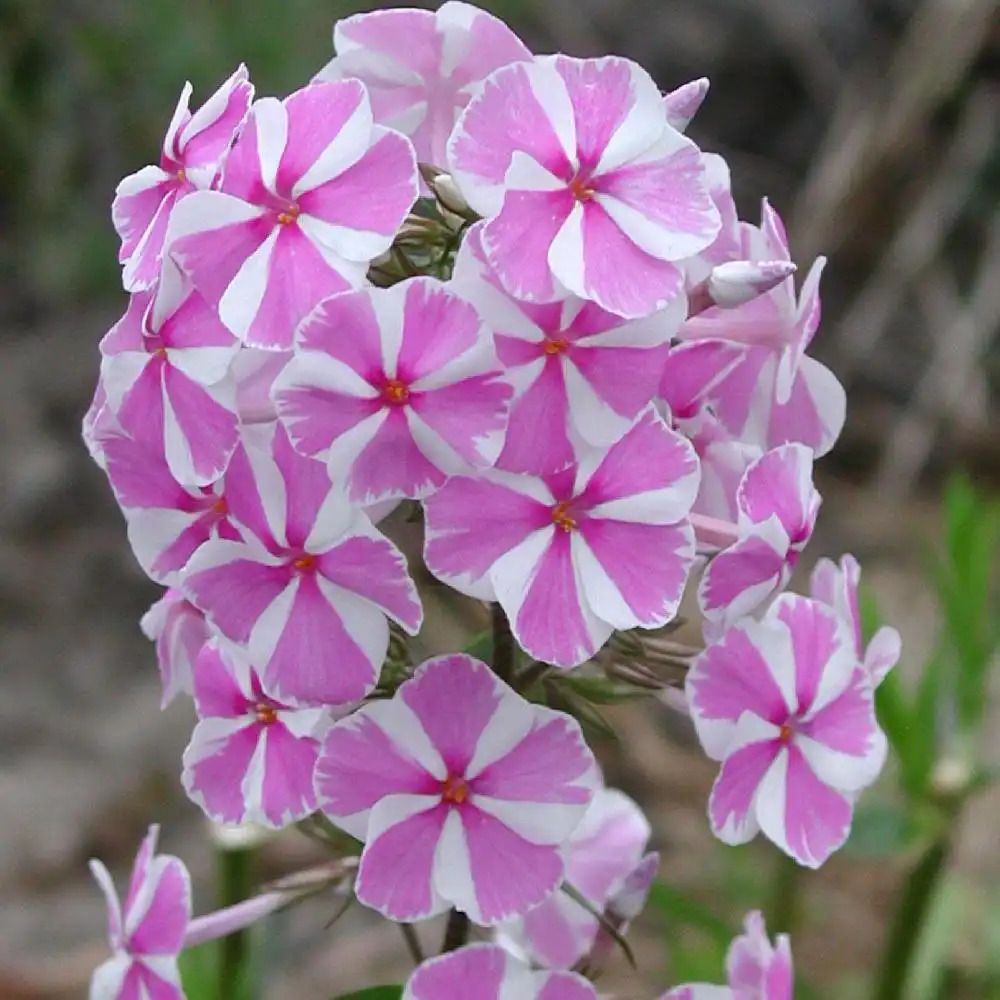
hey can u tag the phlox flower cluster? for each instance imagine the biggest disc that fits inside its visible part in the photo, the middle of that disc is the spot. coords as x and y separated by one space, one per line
505 296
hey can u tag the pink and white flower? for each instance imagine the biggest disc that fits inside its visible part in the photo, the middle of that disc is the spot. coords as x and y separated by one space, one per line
167 522
787 709
582 373
571 557
396 388
756 969
179 630
837 587
307 589
587 188
778 506
194 149
312 192
487 972
601 853
252 756
147 933
165 370
775 394
462 791
421 67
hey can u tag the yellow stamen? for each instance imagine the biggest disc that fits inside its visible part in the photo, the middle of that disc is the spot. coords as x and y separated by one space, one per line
454 790
305 563
562 517
578 188
396 392
554 346
266 714
289 215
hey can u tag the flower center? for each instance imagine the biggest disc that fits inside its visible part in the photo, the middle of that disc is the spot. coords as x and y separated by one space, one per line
304 563
454 789
562 516
555 346
289 215
220 507
181 175
785 733
266 714
397 393
578 188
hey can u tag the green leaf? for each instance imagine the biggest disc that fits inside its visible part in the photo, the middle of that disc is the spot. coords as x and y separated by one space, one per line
679 908
481 647
879 830
374 993
933 950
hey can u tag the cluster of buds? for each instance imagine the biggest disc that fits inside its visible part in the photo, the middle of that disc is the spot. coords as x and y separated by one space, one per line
506 293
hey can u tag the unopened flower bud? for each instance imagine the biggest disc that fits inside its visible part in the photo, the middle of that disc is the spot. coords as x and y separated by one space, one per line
950 777
737 282
683 103
447 193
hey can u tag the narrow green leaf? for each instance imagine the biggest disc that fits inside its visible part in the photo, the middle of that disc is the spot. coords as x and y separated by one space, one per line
930 958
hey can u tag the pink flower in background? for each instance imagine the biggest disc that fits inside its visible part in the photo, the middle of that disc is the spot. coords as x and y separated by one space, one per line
837 587
147 932
487 972
396 388
573 556
783 703
179 630
775 394
166 522
194 149
778 506
601 853
312 192
165 371
462 791
758 969
421 67
251 757
580 372
308 589
586 187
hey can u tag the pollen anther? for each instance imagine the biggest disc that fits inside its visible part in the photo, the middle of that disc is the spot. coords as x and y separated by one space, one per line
266 714
305 563
785 733
396 392
578 188
454 790
289 215
554 346
562 517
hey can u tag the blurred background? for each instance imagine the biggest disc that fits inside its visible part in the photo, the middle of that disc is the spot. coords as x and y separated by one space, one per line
874 128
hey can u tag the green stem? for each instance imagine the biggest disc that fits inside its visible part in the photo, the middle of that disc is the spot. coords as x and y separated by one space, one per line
504 649
456 933
412 943
236 883
782 912
911 914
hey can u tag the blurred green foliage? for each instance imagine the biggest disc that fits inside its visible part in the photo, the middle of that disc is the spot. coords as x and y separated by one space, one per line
87 88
